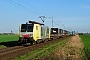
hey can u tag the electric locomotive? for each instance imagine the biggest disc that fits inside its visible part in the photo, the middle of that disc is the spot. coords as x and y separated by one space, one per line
33 32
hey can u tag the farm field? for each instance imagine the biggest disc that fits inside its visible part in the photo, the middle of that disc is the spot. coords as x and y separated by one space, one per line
86 42
8 40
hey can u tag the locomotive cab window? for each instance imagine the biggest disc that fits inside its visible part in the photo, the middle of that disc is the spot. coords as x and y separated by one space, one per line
26 27
30 28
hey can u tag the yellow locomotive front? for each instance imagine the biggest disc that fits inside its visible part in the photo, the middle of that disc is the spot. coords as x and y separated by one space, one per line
26 33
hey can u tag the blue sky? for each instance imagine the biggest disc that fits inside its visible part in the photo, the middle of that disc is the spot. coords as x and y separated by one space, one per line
67 14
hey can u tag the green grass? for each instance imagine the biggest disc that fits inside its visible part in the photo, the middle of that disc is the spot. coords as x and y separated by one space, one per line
7 38
86 42
2 46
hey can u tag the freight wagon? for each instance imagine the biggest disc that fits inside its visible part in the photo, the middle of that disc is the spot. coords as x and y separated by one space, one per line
56 33
66 33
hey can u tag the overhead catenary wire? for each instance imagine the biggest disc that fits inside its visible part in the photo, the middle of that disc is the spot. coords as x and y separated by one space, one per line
23 7
42 17
32 7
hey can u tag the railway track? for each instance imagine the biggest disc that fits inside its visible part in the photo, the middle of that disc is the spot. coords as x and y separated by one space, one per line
9 49
12 52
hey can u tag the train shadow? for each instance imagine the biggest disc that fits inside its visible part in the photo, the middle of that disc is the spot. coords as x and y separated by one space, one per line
9 44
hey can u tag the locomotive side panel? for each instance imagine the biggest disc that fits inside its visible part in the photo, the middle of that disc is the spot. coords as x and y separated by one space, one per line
45 32
36 32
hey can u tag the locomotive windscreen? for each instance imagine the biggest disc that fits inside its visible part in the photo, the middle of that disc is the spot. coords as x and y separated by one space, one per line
54 30
27 27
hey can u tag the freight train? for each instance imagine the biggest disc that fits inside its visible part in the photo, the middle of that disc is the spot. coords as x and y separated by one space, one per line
35 32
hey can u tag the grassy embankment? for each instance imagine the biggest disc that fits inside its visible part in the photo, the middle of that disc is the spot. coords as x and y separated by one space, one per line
86 42
44 51
7 40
